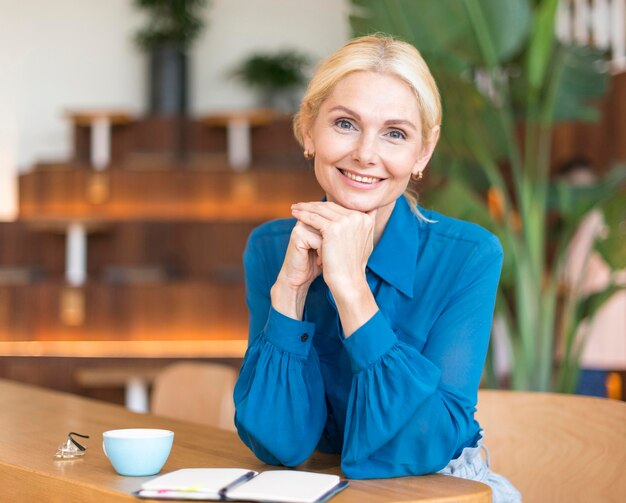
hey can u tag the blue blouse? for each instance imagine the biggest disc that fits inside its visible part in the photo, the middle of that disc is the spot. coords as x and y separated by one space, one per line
398 396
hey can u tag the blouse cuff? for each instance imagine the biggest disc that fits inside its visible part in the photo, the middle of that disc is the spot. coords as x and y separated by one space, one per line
370 342
290 335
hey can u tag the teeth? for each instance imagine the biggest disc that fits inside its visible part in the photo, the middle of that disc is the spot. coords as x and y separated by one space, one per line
359 178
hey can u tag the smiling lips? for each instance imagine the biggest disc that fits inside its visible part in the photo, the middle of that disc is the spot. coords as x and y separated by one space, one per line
361 179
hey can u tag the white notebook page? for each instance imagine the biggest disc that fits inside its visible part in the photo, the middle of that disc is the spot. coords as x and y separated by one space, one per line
285 486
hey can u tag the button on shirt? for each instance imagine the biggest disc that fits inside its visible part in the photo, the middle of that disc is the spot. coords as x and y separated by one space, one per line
398 396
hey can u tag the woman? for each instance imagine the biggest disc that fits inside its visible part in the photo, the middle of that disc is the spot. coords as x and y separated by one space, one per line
369 320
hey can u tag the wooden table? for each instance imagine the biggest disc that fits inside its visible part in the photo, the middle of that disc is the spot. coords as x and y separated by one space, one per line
34 421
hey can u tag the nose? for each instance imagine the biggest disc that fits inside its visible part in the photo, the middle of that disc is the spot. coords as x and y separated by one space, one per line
365 151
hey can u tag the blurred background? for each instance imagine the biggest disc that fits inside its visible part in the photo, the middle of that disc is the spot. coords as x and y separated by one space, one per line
142 140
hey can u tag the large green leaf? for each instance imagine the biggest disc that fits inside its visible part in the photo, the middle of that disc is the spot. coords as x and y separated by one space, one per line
527 79
445 166
442 29
370 17
592 303
500 28
572 202
583 80
541 43
464 105
177 22
612 247
458 200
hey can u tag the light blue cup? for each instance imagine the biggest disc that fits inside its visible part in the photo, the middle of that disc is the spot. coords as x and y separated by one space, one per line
137 452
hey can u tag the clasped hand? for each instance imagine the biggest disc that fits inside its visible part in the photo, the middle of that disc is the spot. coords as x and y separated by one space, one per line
331 240
334 241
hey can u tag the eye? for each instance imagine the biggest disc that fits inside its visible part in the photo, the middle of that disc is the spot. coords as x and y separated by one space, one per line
344 124
397 134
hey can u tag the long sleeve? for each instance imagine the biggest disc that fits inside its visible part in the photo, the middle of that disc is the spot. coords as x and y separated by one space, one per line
410 411
279 396
398 396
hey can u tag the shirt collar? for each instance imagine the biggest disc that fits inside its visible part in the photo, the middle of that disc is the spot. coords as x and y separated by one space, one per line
395 256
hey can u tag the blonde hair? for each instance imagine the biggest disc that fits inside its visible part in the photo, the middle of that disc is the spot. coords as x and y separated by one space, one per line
375 53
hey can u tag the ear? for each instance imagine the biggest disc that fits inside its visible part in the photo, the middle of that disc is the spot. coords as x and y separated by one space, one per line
427 151
309 144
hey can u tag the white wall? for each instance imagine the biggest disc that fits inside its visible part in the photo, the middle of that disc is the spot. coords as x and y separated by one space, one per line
239 27
63 54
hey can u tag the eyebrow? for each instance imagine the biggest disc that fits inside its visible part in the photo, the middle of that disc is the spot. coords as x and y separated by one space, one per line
389 122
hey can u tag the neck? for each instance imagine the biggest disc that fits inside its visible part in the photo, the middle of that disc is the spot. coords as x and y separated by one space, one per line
382 217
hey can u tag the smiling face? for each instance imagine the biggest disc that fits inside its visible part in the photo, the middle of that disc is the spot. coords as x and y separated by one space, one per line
367 140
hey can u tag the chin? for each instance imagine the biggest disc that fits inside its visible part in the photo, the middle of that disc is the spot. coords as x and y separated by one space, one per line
356 204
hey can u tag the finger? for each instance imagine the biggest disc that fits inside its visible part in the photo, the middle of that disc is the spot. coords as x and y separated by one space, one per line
311 219
308 228
306 237
328 210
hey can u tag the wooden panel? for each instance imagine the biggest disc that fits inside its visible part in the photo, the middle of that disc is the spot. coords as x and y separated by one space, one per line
121 143
272 140
17 321
183 310
20 247
192 249
57 192
275 144
255 195
152 135
618 117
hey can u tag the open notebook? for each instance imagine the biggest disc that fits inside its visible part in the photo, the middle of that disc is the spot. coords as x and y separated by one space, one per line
235 484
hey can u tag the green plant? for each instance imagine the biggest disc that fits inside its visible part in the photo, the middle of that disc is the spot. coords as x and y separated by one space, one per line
280 71
175 22
505 81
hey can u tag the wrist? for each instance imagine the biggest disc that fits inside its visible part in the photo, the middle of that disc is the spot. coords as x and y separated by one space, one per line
287 299
350 292
355 305
349 286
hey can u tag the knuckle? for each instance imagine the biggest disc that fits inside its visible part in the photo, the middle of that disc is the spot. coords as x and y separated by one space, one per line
299 232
